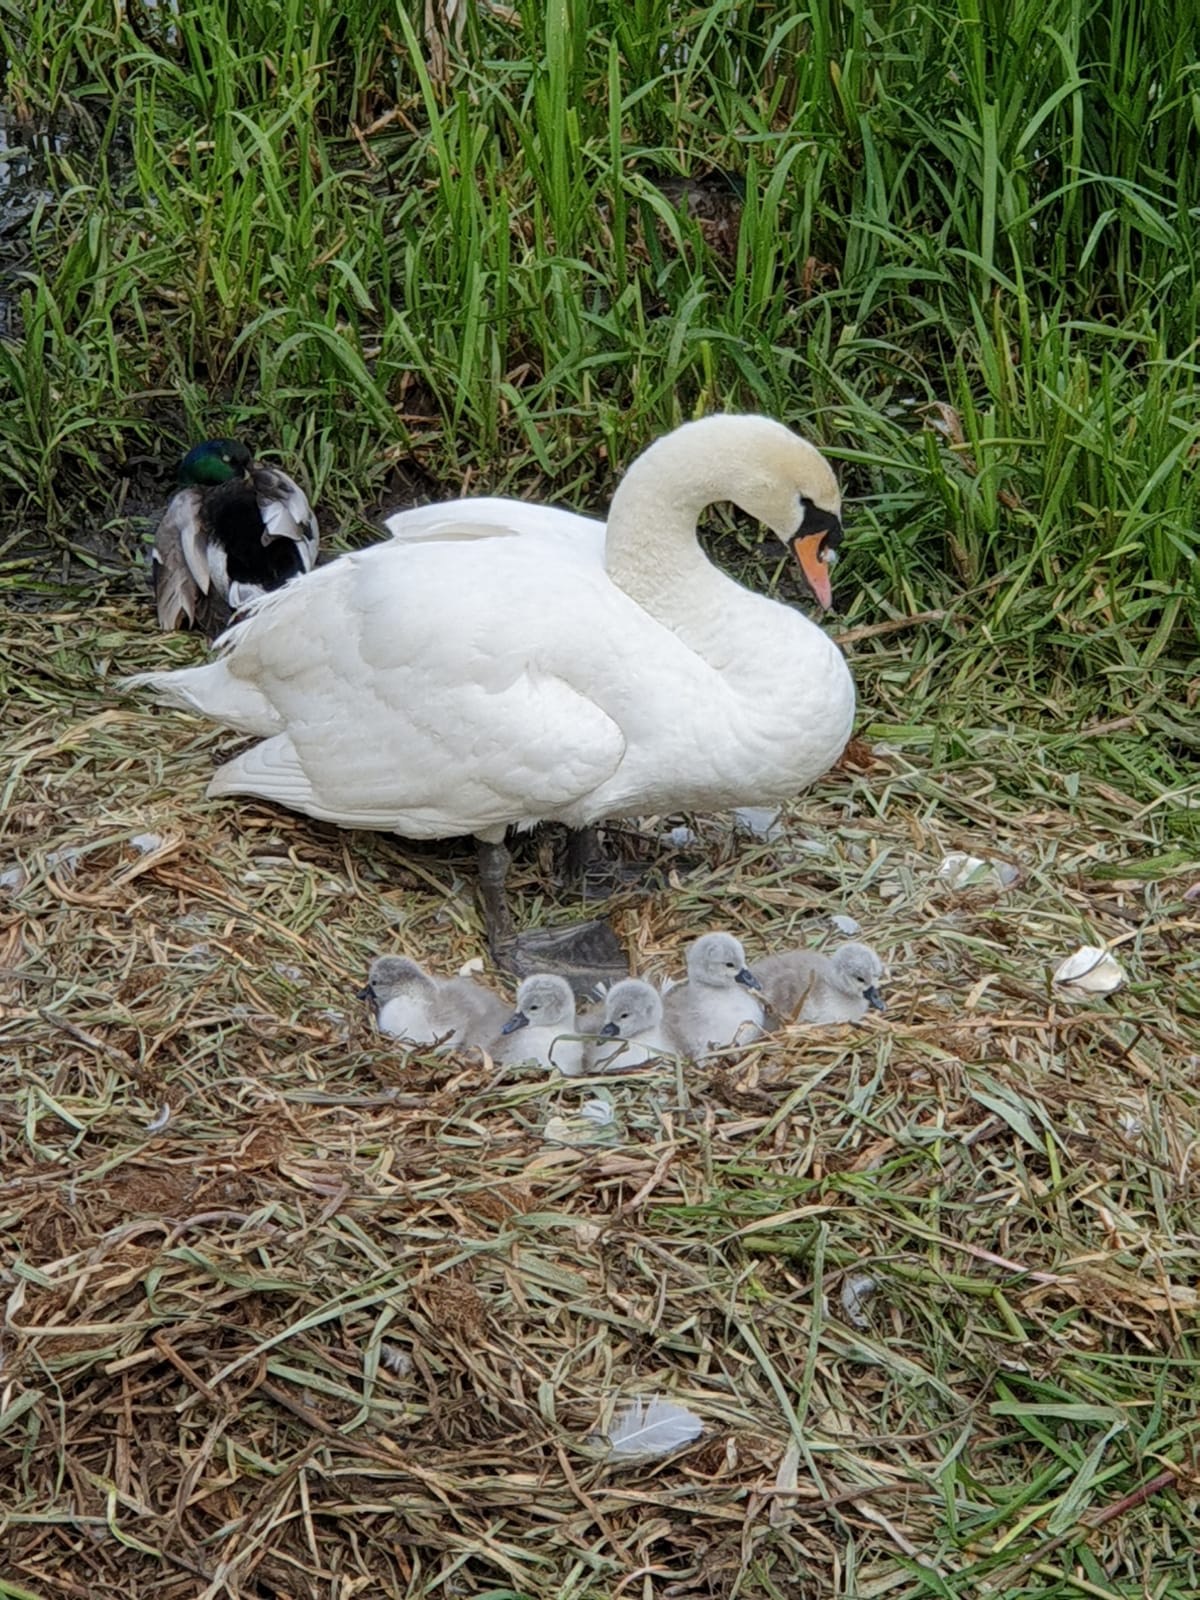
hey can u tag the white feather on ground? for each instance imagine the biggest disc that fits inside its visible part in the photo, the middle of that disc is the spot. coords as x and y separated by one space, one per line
651 1427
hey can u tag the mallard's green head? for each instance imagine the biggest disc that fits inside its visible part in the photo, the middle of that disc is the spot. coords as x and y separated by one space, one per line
215 461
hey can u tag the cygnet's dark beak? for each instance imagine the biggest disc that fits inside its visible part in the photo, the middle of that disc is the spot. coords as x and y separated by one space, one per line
747 977
610 1031
874 999
367 992
517 1020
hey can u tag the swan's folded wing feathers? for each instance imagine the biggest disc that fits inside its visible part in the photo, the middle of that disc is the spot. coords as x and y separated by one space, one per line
270 770
535 743
458 521
379 719
439 715
356 778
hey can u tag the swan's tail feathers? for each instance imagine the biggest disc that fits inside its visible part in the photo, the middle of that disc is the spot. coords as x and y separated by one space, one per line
214 692
270 770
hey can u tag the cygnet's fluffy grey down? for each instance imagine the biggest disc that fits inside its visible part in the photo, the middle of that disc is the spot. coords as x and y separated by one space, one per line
410 1004
809 986
535 1030
714 1008
633 1031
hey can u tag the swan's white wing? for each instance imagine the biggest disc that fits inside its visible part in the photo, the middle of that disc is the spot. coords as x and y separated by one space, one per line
413 699
490 518
396 776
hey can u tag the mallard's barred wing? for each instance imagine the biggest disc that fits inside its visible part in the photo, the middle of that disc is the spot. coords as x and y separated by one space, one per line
179 562
286 513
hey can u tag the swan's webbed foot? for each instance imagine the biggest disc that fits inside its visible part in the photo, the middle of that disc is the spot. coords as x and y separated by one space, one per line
598 873
586 954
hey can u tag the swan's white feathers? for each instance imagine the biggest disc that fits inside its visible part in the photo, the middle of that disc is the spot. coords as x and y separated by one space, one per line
272 771
509 739
243 707
456 521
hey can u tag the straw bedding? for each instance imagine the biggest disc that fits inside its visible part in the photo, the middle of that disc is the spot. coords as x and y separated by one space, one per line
289 1312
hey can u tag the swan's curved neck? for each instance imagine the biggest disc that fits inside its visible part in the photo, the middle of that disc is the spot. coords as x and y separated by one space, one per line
650 541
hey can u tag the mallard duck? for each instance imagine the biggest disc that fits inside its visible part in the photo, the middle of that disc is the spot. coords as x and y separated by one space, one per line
632 1031
497 669
411 1004
714 1008
232 532
809 986
535 1031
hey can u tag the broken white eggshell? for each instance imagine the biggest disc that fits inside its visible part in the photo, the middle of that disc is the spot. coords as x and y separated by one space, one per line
679 838
856 1291
14 878
961 871
1090 970
761 822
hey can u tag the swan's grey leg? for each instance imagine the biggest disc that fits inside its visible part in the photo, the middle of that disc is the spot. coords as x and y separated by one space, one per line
587 954
494 862
598 871
583 847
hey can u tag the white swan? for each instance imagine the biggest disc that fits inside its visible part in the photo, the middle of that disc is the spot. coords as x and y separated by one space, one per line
491 671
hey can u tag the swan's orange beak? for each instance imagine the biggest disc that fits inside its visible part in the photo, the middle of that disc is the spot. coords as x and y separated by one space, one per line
807 547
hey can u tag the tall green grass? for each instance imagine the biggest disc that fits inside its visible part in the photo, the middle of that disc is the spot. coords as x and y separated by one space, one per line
273 218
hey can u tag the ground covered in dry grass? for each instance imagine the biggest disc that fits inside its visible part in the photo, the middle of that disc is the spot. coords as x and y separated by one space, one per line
288 1314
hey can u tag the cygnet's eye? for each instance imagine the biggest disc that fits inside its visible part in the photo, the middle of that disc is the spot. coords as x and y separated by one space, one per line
732 965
